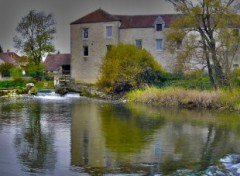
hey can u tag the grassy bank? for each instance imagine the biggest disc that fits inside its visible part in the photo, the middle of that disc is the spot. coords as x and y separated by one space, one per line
13 84
179 97
20 85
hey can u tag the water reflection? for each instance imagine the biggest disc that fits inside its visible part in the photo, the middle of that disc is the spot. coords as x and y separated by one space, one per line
34 141
79 136
87 142
135 138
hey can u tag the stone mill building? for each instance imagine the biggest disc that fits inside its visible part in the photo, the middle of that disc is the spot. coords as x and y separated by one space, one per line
94 33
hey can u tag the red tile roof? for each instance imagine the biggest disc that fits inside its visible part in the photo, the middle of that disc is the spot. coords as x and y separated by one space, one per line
9 57
144 21
127 21
54 61
96 16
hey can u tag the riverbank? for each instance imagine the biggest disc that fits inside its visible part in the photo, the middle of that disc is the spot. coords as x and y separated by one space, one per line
88 90
190 99
166 97
8 92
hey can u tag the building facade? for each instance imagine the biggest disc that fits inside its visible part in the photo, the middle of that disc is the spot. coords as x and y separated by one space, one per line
94 33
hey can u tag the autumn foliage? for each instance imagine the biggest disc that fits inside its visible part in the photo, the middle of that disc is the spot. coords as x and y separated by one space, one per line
126 68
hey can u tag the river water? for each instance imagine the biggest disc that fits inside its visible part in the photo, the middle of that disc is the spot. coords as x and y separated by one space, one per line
72 135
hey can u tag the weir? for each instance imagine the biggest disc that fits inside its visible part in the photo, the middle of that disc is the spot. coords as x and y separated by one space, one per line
51 94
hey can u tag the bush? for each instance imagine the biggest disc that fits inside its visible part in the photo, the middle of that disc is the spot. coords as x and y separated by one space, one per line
235 77
194 80
16 73
126 68
12 84
5 68
35 71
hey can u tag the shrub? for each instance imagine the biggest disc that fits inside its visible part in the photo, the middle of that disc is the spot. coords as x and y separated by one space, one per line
195 80
12 84
5 68
235 77
16 73
126 68
35 71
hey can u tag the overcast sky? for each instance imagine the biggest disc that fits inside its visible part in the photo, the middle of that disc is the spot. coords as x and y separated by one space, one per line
67 11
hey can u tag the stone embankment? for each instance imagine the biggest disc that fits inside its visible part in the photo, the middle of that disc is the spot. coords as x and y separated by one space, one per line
8 92
88 90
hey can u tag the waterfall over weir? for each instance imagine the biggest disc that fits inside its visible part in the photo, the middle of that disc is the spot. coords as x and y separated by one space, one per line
50 94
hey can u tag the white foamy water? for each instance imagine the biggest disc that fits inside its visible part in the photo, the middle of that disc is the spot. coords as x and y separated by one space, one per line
51 95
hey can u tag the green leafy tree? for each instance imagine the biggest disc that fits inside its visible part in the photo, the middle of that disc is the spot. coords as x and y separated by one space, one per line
205 28
125 68
16 73
35 35
34 70
5 69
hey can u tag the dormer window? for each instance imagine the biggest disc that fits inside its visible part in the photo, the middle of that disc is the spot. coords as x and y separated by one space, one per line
85 33
159 27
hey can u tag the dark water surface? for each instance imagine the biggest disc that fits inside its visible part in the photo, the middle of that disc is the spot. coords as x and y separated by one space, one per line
78 136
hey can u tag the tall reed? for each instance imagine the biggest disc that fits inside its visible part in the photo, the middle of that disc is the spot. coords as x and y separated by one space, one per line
186 98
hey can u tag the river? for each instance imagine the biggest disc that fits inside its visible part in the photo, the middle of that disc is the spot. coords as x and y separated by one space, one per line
73 135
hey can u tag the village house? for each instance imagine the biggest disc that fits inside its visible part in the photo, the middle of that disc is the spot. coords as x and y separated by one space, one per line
59 65
96 32
10 58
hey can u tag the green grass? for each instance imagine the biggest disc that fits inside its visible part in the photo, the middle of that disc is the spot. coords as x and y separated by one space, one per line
21 84
44 85
8 84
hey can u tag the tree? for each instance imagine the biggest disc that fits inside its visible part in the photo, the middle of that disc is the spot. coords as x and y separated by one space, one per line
1 50
36 32
126 67
16 73
205 27
5 69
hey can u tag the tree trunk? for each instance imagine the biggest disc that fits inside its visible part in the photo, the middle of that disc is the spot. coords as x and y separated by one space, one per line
210 72
222 80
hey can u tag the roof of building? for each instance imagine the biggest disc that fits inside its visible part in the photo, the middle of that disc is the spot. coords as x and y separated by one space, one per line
98 15
54 61
145 21
9 57
127 21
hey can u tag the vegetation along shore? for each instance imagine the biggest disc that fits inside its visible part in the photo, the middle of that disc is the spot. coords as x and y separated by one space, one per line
192 99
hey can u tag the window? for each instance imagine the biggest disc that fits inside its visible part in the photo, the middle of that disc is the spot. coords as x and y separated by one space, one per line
235 65
85 50
159 44
85 33
109 31
139 44
159 27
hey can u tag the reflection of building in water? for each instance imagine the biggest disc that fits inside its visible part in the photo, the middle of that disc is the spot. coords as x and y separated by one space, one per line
86 138
139 141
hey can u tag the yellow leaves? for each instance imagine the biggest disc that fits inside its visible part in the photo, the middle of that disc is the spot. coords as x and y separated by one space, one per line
124 67
197 10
